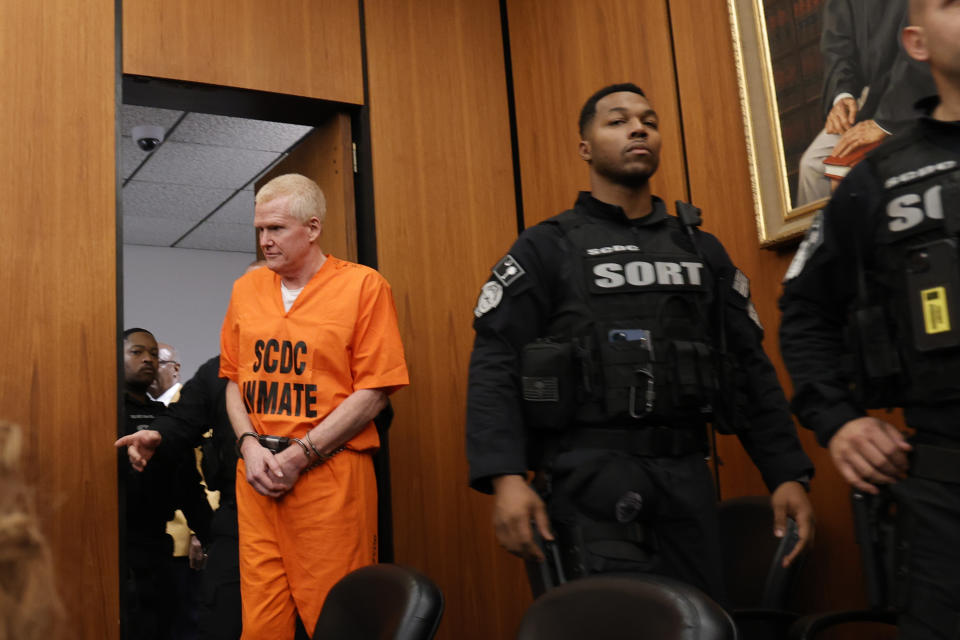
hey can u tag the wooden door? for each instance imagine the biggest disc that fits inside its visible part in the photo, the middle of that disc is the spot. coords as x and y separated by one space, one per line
326 156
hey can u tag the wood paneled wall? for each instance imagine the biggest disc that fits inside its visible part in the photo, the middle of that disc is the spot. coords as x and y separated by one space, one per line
563 51
720 184
301 47
58 368
444 196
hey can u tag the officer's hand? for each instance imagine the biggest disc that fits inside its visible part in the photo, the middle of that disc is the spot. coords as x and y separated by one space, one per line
141 445
264 473
515 505
790 500
196 555
859 135
841 116
868 452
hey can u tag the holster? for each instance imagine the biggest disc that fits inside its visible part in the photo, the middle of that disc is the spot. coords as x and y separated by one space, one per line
878 532
600 504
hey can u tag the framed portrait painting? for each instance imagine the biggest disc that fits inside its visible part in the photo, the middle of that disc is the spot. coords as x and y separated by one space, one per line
821 83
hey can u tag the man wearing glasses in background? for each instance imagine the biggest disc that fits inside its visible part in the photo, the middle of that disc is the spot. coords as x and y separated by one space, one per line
166 386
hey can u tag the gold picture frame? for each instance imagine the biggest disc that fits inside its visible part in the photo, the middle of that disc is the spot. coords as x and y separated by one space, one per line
778 222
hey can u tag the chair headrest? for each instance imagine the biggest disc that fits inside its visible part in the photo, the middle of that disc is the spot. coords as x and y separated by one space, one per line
647 606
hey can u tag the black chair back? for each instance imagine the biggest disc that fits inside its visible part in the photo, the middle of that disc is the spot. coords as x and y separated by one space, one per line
607 607
381 602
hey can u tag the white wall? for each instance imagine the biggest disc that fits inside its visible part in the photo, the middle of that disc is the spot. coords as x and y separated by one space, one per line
181 296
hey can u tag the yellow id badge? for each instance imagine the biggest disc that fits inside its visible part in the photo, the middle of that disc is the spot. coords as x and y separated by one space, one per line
933 285
936 313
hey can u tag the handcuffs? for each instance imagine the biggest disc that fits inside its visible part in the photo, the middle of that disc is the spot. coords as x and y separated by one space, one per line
276 444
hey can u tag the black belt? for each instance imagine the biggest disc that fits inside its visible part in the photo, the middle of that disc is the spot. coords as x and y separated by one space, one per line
935 463
651 441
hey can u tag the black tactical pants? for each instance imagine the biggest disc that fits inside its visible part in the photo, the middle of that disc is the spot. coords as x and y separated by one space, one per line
676 532
928 514
220 611
151 594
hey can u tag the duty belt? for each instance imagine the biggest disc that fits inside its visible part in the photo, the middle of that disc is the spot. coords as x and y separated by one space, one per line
650 441
935 463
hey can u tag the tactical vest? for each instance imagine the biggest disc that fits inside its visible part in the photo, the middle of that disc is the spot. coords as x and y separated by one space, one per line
629 339
908 316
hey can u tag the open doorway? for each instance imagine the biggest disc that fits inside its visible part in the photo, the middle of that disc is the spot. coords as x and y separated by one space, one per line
188 218
187 212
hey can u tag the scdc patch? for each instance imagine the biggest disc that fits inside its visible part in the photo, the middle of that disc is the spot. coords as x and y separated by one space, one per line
741 284
508 270
490 296
752 312
811 242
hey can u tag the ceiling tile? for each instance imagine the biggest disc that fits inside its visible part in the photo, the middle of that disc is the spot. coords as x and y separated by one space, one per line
131 116
204 165
174 201
241 133
239 210
130 156
214 236
157 232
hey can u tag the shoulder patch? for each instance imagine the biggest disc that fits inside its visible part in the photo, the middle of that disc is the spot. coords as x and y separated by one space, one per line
811 242
752 312
490 296
741 284
508 270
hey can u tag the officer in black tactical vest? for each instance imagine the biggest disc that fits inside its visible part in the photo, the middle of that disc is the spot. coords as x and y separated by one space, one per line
871 319
606 341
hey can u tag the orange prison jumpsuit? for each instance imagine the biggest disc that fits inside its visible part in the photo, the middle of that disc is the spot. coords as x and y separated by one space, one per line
293 368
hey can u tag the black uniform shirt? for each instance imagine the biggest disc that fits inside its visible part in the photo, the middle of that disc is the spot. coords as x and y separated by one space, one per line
820 287
542 260
169 482
203 406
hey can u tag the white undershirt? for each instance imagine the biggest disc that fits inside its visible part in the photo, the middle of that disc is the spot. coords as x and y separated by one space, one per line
289 295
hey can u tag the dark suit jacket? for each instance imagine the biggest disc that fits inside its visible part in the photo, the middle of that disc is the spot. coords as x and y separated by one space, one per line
861 48
203 406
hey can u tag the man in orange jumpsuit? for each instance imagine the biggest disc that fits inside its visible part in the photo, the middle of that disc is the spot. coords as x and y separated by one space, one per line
311 349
